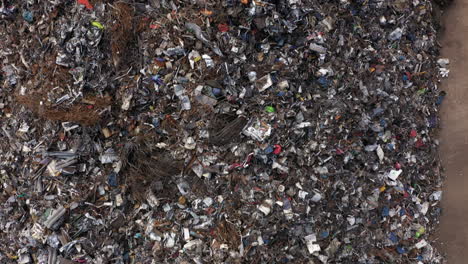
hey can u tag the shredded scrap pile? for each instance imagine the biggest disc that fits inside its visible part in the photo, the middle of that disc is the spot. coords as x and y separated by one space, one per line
209 131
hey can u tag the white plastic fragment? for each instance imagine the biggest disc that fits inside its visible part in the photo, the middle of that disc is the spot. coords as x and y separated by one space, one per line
185 100
421 244
311 238
24 128
443 62
317 48
109 156
193 243
167 207
311 247
263 83
328 23
283 85
265 207
371 147
209 62
323 258
321 170
186 234
126 102
24 258
118 200
170 239
52 168
198 170
154 237
444 72
303 125
302 194
252 76
424 208
280 167
208 201
152 200
190 143
317 197
395 34
260 241
383 20
257 129
393 174
193 57
178 90
380 153
281 188
183 187
436 196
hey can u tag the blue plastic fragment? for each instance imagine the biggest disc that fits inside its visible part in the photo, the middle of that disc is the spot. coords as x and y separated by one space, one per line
411 37
377 111
385 211
401 250
383 123
245 36
440 99
269 150
323 81
28 16
402 211
324 234
245 242
112 179
216 91
156 122
157 79
390 146
432 121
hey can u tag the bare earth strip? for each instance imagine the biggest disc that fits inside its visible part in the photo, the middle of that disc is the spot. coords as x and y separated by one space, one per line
454 135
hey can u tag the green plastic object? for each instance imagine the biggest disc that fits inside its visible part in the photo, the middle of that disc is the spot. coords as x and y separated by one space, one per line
269 109
97 24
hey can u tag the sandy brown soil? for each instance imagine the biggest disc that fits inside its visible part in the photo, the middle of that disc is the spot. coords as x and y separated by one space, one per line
454 135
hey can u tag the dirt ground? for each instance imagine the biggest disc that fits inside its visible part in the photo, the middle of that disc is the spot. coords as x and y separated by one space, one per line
454 135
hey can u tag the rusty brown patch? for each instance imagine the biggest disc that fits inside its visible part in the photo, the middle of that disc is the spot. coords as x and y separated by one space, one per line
121 32
227 233
85 114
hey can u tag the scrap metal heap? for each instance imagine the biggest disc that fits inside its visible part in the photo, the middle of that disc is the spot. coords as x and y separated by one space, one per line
208 131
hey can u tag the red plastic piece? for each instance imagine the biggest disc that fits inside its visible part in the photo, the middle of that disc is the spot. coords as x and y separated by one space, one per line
223 27
277 150
85 3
